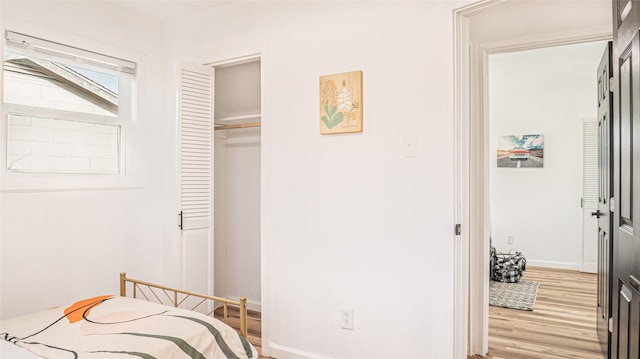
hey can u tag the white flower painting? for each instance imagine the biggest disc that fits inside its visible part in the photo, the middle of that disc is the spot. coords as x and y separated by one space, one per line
341 103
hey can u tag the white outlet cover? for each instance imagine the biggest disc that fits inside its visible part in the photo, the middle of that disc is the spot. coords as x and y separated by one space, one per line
346 318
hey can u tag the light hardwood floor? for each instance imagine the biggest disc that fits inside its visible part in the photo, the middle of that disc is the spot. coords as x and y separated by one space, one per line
254 326
561 325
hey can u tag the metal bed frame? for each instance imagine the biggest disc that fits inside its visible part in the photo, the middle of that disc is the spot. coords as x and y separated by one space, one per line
184 299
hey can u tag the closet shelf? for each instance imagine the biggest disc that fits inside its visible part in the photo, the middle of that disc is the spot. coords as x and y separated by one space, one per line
255 116
239 125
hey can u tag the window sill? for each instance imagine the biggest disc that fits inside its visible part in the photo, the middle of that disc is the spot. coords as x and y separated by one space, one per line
48 182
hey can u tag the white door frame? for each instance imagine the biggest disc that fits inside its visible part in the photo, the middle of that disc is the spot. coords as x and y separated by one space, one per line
471 251
246 55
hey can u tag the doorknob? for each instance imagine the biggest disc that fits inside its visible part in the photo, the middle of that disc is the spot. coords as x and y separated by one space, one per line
597 213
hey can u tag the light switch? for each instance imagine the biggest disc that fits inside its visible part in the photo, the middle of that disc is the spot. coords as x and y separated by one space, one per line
410 144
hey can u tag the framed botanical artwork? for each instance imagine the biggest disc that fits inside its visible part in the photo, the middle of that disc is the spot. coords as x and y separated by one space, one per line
521 151
341 103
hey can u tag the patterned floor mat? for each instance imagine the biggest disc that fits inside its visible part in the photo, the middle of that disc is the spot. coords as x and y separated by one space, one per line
521 295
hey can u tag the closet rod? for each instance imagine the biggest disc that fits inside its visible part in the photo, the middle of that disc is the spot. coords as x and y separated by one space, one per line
241 125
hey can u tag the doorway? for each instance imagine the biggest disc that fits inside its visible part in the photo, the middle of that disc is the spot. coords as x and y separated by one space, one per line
237 184
540 101
477 36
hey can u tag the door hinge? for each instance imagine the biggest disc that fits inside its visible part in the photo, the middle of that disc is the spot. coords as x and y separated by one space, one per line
458 229
180 220
611 206
610 325
611 84
581 202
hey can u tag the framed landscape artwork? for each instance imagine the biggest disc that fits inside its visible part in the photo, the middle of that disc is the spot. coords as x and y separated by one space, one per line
521 151
341 103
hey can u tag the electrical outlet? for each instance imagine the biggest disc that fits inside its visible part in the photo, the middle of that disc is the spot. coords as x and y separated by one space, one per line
346 318
509 239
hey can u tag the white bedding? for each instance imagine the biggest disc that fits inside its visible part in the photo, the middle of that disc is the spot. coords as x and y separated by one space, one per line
118 327
10 351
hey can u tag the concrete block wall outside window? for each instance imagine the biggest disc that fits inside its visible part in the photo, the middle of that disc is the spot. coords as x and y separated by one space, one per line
54 145
28 90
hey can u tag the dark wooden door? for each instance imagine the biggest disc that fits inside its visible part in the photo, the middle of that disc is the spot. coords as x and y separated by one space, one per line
605 193
625 340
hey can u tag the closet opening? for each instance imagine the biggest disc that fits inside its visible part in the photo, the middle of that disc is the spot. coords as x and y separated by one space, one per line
237 185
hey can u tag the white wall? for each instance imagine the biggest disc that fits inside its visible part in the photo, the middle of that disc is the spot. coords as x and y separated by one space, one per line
545 91
237 215
59 246
347 220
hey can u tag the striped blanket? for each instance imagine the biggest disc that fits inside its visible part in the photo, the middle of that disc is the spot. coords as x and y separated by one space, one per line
119 327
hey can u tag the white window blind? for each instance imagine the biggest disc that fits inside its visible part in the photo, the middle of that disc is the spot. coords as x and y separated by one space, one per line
196 147
74 54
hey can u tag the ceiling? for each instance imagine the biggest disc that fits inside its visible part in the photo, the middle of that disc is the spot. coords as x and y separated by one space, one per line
165 10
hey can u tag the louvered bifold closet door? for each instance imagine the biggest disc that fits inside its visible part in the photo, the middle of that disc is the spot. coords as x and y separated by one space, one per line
589 257
196 165
195 114
590 188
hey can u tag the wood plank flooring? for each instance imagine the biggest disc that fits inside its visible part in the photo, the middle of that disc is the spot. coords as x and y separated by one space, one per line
254 326
561 325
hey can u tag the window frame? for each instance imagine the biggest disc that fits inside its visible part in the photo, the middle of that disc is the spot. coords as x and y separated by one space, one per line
22 181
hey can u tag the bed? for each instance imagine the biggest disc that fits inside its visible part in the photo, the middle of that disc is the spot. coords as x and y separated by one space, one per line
153 322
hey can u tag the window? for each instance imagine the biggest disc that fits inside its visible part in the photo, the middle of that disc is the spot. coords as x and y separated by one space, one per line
67 110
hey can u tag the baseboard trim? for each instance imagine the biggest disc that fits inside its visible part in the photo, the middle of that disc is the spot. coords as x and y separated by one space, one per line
589 267
285 352
551 264
253 305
